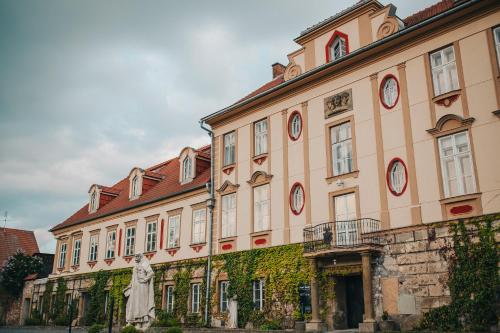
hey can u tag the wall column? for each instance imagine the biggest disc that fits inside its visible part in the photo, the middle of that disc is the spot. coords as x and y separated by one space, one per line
315 324
368 324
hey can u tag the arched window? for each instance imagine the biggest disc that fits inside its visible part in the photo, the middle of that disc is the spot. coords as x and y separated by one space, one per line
397 177
135 187
389 91
337 46
297 198
295 125
93 201
186 168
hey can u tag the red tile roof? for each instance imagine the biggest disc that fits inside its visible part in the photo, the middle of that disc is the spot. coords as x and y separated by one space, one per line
271 84
12 240
428 12
169 185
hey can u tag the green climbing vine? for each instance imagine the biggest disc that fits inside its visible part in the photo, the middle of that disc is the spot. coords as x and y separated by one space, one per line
97 298
283 268
58 312
473 282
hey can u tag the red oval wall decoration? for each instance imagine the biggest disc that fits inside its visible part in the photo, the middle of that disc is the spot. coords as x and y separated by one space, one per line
227 246
260 241
461 209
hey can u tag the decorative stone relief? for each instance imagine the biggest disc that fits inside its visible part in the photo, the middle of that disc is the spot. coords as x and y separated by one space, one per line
388 27
292 71
338 103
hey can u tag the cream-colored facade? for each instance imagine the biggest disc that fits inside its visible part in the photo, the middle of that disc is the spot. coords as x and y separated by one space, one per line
377 126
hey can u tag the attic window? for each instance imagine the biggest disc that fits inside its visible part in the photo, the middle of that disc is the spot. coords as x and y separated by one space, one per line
94 201
135 190
337 46
187 168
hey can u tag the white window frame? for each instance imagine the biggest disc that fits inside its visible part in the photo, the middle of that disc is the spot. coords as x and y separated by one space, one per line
135 188
346 224
496 39
397 176
94 203
195 298
296 126
187 168
199 225
77 246
151 236
258 293
340 43
229 148
459 176
93 247
448 70
223 296
63 248
342 155
261 207
169 299
260 134
174 224
297 198
110 244
390 92
130 241
228 215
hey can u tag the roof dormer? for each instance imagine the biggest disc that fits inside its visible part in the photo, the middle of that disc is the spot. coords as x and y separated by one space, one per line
135 180
99 196
94 194
187 162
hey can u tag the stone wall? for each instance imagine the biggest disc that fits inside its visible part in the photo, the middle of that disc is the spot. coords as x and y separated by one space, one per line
410 277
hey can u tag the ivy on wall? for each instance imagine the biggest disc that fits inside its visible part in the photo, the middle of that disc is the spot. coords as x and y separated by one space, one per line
473 282
97 298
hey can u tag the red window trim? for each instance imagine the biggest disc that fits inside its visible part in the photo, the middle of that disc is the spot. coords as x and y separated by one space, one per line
388 176
119 242
381 91
330 42
290 119
290 199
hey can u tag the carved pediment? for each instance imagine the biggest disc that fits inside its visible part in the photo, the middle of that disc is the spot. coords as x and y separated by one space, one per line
338 103
227 186
259 177
450 122
292 71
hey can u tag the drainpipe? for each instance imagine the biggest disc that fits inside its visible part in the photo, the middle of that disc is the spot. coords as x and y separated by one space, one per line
211 205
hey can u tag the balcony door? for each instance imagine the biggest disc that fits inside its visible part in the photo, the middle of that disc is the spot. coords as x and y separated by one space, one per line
345 219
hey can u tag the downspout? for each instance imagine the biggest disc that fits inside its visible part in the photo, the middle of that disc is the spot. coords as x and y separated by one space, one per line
211 205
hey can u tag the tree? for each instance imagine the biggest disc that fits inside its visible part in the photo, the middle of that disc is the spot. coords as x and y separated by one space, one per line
17 268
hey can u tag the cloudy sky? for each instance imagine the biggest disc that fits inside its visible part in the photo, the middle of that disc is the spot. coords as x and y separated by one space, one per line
89 89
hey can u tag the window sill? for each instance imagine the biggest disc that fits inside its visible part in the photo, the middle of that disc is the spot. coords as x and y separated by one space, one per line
128 258
260 233
109 261
459 198
227 239
172 250
352 174
197 247
448 98
259 159
227 169
149 254
91 263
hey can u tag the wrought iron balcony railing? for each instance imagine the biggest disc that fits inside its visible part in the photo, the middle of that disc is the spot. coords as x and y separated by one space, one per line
341 234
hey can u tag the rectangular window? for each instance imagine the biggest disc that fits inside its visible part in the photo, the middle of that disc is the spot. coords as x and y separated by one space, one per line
261 208
258 294
77 244
444 70
496 35
130 241
260 144
345 219
228 215
199 222
341 148
195 298
223 301
151 236
110 244
62 255
94 242
229 148
456 164
174 223
170 299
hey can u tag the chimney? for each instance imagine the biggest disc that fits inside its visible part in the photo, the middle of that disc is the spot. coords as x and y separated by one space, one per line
278 69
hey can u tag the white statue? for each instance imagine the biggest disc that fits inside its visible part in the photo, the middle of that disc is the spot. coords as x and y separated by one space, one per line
232 318
140 310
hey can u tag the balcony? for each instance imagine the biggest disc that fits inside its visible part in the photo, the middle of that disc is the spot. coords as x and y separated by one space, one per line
341 236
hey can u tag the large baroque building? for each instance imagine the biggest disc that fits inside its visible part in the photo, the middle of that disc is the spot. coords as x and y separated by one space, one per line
377 131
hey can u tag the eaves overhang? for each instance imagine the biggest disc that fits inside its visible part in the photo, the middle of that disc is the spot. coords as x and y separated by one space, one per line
354 58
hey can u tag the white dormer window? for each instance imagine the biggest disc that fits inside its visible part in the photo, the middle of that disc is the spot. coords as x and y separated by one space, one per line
94 199
135 179
187 167
135 187
338 48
